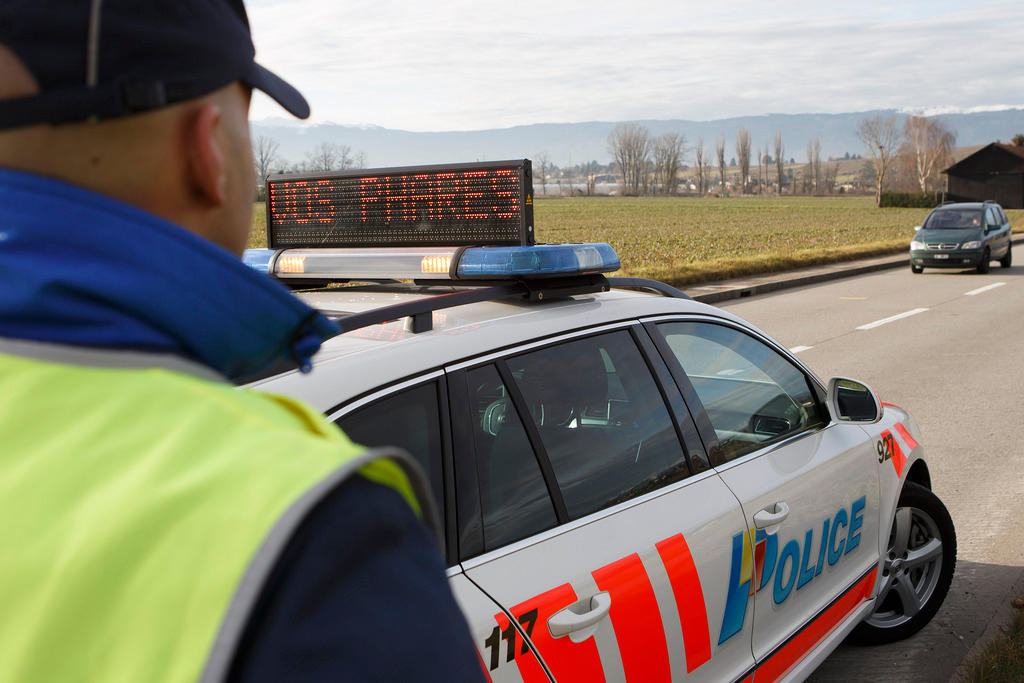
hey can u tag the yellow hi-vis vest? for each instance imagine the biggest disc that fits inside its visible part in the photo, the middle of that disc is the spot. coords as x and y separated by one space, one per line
142 510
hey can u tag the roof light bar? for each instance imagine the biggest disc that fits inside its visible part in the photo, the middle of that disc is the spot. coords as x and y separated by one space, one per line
541 260
258 259
436 263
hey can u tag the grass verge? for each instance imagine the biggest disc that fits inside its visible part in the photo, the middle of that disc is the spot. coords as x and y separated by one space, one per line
1003 659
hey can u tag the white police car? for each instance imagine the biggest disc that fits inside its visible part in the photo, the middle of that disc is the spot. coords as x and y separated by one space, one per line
634 486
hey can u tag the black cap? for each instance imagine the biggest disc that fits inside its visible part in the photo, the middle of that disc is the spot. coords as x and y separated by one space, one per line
109 58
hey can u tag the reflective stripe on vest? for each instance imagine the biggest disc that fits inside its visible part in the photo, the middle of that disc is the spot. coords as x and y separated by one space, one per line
144 509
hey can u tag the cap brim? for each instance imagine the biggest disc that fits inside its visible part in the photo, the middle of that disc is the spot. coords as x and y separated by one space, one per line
283 93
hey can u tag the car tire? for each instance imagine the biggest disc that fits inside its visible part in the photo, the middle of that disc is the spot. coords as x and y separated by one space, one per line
916 571
983 265
916 269
1007 260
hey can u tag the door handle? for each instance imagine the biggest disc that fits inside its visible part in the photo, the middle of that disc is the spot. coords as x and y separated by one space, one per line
771 516
578 626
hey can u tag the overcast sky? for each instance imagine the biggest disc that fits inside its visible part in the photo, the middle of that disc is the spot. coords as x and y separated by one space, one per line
474 64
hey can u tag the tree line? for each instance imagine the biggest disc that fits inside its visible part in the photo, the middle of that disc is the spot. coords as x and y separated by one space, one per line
906 158
324 157
649 165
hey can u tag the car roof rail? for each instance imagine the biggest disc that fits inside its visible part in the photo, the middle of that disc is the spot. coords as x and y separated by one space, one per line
648 285
420 312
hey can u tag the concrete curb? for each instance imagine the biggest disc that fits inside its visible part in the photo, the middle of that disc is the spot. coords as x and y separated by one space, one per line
996 628
743 288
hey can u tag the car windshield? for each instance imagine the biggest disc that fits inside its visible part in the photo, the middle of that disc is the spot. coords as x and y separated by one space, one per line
953 219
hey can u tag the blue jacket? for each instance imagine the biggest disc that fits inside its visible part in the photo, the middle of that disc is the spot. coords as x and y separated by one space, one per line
360 592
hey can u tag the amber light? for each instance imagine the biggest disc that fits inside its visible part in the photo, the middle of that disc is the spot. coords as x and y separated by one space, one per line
291 264
436 264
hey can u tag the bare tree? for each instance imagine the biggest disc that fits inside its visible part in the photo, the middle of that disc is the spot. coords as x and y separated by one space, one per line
760 160
630 145
931 144
324 157
779 151
543 166
743 154
328 156
813 175
831 176
816 163
1018 139
668 151
698 162
879 134
264 152
720 153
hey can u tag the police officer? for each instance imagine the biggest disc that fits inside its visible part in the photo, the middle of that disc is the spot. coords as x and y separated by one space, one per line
159 524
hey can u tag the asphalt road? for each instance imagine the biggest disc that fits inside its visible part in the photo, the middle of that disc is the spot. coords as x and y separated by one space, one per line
949 347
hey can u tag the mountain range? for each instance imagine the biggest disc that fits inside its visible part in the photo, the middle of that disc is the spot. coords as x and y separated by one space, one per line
566 144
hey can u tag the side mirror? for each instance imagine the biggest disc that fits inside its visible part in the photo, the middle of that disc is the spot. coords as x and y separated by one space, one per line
853 401
917 228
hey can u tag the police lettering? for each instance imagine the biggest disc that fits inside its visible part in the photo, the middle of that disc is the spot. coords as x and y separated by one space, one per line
800 561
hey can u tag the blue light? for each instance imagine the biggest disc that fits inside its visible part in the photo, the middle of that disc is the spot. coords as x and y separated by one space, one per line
541 260
258 259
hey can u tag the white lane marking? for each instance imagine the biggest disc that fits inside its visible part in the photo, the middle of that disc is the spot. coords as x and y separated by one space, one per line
979 290
798 349
891 318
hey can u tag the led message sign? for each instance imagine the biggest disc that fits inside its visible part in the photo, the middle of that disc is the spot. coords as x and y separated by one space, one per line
449 205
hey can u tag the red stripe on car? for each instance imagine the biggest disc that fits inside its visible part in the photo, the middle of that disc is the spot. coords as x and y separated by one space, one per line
784 659
483 667
682 573
636 620
567 660
907 438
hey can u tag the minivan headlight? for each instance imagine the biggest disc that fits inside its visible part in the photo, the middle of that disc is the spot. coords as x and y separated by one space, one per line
971 245
918 246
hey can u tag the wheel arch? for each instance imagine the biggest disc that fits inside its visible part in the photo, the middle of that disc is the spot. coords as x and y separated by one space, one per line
919 474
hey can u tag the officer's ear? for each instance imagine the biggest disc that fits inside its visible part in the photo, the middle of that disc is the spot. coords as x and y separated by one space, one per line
206 154
15 79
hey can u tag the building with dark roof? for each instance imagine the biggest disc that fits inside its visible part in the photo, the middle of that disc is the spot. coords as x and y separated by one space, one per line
995 171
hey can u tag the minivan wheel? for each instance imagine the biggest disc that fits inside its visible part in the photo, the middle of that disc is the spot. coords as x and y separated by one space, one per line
1007 260
916 269
916 570
985 258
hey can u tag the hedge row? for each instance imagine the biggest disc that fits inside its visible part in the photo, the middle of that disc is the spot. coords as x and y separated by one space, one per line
910 200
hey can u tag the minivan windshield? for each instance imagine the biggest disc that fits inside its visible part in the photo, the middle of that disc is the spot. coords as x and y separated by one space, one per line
953 219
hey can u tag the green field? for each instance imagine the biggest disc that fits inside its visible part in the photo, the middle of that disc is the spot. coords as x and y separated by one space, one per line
687 240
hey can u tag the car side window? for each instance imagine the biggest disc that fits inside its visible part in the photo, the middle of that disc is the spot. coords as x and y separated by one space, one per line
408 419
514 500
990 218
601 419
752 395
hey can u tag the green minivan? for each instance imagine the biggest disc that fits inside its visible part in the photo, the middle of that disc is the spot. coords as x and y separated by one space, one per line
962 235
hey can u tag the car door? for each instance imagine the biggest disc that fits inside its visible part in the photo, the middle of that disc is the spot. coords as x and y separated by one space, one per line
413 415
606 542
1004 228
808 487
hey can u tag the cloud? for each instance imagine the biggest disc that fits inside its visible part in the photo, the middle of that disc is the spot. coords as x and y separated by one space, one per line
465 65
